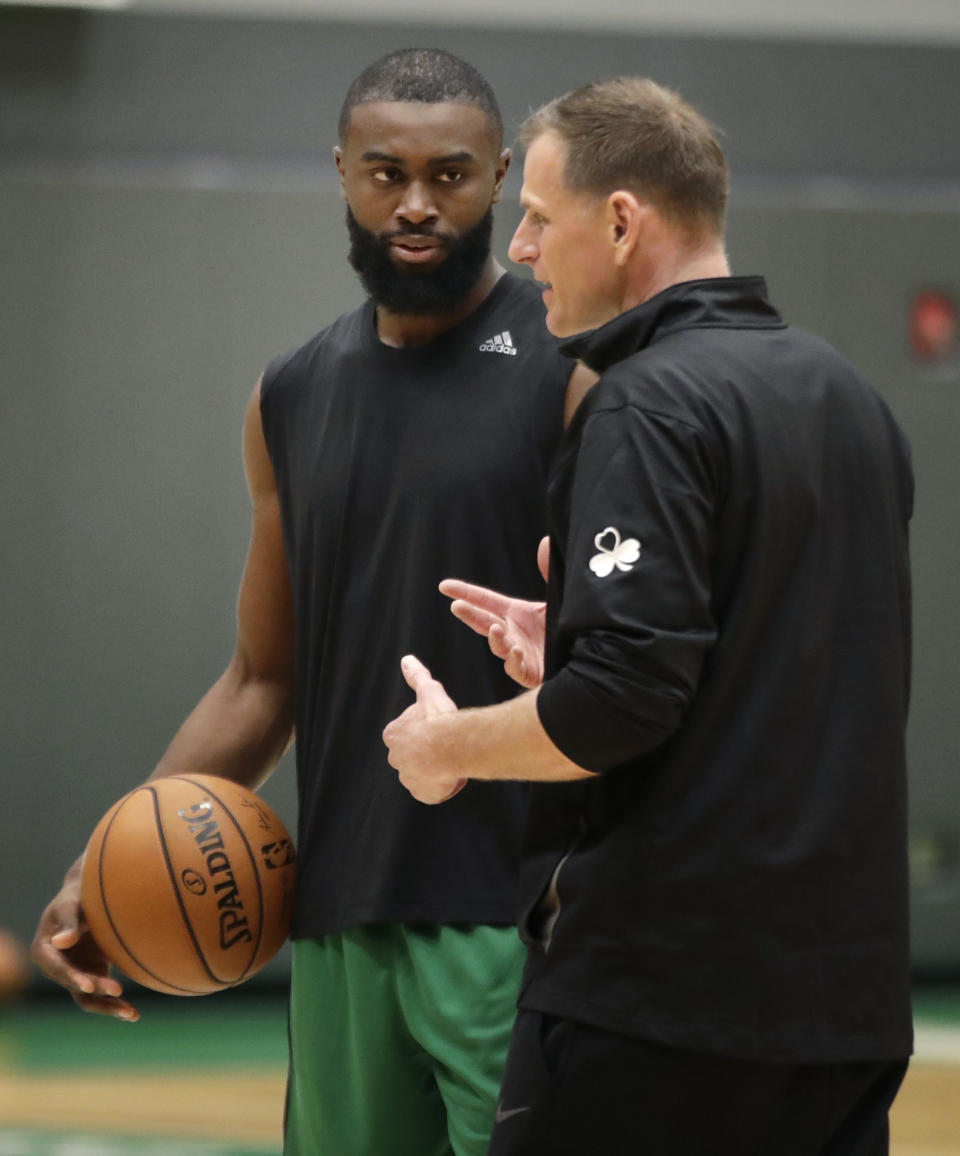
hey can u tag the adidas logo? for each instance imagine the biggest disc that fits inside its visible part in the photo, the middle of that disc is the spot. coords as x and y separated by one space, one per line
499 343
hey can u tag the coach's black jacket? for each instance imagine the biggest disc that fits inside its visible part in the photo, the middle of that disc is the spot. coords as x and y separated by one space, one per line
728 645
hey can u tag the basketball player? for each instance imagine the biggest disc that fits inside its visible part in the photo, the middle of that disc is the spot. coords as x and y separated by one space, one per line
410 437
716 880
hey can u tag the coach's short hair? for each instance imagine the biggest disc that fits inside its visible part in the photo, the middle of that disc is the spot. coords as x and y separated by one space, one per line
422 76
631 133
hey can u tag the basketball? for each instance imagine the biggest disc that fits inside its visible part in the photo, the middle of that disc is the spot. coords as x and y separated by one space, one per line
187 884
14 968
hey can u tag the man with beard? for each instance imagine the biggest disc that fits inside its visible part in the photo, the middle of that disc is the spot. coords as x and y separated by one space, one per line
408 440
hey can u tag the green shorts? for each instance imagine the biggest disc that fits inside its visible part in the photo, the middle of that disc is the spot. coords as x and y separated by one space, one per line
398 1038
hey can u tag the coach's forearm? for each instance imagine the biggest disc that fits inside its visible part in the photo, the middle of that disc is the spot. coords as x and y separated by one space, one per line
505 741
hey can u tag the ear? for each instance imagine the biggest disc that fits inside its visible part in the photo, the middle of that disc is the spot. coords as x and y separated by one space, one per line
341 169
500 174
626 215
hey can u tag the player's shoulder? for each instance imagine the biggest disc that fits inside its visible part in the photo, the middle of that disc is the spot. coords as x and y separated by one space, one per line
293 365
516 324
522 297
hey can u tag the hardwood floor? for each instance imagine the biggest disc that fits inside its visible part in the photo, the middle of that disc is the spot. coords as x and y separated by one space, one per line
247 1106
68 1085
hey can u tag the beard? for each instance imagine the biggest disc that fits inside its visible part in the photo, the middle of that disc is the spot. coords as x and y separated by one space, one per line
409 291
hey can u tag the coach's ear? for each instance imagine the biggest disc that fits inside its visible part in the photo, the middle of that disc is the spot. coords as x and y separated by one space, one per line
627 216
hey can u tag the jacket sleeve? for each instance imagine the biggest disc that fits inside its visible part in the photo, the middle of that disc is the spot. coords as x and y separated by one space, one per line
636 602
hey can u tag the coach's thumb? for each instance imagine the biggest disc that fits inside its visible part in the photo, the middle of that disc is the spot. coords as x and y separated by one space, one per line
414 672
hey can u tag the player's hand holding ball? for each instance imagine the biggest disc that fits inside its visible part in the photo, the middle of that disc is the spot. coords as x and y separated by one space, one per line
65 951
186 886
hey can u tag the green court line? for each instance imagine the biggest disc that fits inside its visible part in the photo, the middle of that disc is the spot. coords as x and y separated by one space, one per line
26 1142
248 1032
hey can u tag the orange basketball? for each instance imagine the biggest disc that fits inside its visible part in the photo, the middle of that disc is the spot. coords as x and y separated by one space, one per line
188 884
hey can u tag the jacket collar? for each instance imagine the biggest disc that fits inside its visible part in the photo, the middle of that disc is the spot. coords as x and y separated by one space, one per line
716 302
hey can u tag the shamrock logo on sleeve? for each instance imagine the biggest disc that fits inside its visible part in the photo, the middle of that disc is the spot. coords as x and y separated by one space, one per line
614 554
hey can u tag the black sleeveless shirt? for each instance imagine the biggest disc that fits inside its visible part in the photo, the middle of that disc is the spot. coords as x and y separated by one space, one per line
397 468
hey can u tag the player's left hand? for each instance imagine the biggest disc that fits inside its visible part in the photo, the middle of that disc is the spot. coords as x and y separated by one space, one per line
411 741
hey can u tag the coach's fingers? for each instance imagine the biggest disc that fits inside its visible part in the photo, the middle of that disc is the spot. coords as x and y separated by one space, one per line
457 788
517 669
480 596
475 617
500 644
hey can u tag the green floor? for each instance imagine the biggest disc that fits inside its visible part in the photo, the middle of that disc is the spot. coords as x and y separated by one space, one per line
246 1030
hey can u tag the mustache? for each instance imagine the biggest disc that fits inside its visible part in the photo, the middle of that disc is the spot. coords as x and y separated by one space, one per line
408 229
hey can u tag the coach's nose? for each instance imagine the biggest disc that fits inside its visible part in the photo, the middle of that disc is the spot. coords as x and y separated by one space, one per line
524 249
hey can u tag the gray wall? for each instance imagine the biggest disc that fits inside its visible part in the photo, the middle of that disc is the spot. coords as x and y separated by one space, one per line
101 91
169 219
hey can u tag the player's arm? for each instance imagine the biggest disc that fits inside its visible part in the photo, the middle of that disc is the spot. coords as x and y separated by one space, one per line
238 730
582 380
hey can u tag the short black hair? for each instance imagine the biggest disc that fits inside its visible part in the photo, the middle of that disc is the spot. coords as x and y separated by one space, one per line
421 76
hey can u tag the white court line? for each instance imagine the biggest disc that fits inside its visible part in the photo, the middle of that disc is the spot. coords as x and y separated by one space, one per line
936 1045
28 1142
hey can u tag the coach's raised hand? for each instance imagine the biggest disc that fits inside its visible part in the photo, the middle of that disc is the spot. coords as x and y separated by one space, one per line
513 627
416 743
